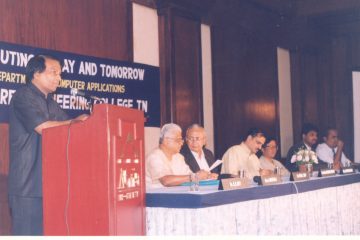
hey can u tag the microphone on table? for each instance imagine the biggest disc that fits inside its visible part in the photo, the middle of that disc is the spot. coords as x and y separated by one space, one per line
77 92
257 179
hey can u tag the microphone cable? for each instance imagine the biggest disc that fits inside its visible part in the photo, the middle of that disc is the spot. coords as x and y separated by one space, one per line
295 186
68 180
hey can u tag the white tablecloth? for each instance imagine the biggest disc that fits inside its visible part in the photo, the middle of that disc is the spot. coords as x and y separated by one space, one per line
329 211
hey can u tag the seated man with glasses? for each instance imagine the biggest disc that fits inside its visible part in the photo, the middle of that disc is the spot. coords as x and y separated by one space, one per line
267 160
165 166
194 151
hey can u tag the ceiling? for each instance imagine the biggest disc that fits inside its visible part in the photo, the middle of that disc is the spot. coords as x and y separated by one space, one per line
333 16
308 7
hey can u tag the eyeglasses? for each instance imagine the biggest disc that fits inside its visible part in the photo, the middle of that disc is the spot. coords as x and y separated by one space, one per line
177 140
194 139
272 147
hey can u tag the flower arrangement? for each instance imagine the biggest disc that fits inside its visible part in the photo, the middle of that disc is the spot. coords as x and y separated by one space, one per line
304 156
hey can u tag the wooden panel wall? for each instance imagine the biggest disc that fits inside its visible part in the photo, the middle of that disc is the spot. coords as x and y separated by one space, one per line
4 149
322 86
244 79
4 167
343 62
187 75
321 64
180 67
90 27
306 84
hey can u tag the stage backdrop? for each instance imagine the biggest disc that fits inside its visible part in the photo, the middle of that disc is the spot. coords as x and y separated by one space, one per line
115 82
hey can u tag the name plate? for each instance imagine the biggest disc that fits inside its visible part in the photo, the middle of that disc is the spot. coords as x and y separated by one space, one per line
299 176
234 183
347 170
270 180
326 172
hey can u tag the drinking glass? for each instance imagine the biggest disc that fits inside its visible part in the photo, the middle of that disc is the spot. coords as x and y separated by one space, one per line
242 173
277 171
309 168
194 182
330 165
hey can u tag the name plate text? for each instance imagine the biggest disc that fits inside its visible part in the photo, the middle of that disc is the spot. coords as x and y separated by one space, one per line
299 176
270 180
347 170
234 183
326 172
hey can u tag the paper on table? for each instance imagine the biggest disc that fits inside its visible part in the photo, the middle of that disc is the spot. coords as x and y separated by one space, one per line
215 164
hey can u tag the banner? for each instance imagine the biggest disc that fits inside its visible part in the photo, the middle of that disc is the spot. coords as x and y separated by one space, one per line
115 82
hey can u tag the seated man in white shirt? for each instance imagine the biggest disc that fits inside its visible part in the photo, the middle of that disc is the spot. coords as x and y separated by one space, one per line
331 151
165 166
243 156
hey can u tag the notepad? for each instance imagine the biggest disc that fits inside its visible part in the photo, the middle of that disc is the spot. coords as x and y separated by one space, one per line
204 182
215 164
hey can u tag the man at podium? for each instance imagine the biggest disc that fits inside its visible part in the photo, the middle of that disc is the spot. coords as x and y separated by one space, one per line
32 109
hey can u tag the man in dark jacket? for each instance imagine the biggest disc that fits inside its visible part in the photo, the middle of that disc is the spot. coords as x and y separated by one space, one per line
309 133
32 109
194 151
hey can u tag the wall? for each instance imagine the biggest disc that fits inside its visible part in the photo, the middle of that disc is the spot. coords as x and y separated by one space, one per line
4 167
146 50
245 73
97 28
180 65
323 52
322 86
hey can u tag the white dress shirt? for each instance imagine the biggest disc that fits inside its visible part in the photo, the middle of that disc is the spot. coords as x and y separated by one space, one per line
201 161
239 157
326 154
158 166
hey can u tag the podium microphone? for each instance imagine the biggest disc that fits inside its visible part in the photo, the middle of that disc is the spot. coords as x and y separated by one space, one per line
77 92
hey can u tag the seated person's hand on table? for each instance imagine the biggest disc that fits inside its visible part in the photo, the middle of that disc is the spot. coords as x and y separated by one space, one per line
337 165
202 174
213 176
265 172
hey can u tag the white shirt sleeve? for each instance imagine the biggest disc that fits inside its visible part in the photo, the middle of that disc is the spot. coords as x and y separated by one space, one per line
344 159
324 153
253 166
179 166
156 168
230 162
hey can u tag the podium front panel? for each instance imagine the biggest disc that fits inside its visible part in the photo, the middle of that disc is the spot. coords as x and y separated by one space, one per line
93 175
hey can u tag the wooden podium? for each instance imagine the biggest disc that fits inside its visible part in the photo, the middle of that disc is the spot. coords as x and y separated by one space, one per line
94 174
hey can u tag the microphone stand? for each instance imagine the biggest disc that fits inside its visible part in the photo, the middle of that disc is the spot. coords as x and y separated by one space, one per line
92 102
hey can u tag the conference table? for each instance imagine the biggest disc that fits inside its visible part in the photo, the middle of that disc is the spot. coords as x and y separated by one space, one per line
318 206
